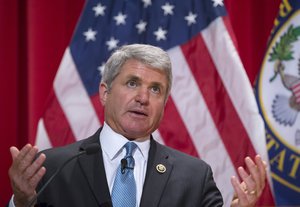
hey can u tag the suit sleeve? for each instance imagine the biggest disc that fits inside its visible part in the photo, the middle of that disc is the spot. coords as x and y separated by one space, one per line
211 194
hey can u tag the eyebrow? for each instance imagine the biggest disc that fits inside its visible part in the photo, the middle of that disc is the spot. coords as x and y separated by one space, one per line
133 77
157 84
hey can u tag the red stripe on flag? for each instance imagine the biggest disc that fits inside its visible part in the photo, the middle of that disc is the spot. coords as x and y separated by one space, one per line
56 123
174 132
226 119
223 113
228 26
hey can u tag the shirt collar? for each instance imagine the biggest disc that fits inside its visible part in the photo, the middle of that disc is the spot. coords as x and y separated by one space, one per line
112 143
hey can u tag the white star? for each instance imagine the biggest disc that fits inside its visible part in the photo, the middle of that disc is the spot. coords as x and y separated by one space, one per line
160 34
99 10
146 3
90 35
120 18
112 43
141 26
191 18
218 2
168 8
101 68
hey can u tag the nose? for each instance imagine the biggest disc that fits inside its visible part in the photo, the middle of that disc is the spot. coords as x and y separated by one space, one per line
142 96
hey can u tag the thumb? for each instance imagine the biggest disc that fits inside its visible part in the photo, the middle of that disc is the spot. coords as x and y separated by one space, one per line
14 152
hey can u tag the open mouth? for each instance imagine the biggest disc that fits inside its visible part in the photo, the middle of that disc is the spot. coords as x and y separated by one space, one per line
139 113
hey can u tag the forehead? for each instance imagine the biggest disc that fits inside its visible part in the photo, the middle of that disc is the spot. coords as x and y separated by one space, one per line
135 68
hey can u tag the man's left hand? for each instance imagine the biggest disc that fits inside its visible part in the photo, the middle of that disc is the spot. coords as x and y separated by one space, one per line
250 189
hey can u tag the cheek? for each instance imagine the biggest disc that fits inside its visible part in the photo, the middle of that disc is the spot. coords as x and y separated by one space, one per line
118 102
159 110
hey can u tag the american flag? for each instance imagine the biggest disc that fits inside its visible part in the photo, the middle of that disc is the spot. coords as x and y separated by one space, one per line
211 113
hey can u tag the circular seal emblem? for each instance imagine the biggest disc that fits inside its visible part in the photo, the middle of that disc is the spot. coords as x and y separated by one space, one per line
278 97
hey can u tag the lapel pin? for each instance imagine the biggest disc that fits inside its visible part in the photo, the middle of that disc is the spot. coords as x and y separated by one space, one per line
161 168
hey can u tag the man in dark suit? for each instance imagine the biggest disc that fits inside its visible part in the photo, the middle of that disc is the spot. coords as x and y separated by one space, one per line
134 89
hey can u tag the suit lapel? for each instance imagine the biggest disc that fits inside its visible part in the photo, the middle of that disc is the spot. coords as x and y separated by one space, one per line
155 179
93 169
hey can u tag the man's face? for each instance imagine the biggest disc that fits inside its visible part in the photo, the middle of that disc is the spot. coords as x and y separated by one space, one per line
135 103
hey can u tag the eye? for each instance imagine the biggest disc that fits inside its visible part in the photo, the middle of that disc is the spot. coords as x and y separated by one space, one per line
155 89
131 84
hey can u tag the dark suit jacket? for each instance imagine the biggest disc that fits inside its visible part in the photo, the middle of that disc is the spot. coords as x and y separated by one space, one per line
187 181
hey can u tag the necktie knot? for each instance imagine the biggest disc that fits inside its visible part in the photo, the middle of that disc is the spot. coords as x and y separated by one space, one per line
130 146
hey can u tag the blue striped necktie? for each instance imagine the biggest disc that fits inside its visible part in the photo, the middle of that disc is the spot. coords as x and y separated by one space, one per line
124 188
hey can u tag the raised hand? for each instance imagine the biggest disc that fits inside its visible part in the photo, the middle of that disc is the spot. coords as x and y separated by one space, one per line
25 173
250 189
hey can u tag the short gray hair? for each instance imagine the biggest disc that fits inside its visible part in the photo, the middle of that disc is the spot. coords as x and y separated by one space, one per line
147 54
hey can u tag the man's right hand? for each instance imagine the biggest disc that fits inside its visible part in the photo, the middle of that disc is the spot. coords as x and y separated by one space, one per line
25 173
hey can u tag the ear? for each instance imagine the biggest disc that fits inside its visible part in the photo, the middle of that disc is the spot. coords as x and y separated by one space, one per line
103 91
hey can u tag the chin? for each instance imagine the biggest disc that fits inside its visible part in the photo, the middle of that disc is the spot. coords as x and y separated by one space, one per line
136 129
135 134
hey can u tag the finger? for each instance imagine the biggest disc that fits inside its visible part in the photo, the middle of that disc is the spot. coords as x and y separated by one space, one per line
240 193
35 179
265 164
254 172
250 189
35 166
27 159
261 166
24 151
248 180
14 152
18 155
243 186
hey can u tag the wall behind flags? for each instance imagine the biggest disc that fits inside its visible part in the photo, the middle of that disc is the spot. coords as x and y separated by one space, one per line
33 37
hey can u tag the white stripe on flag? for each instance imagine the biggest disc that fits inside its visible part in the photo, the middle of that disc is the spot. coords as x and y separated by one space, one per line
236 82
42 139
157 136
74 99
195 115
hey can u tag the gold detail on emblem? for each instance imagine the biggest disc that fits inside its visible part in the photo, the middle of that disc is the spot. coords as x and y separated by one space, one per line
161 168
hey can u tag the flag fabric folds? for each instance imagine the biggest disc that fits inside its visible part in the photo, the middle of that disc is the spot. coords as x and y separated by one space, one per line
278 97
211 113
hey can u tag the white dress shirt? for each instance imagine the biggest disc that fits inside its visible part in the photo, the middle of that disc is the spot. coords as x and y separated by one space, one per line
113 151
